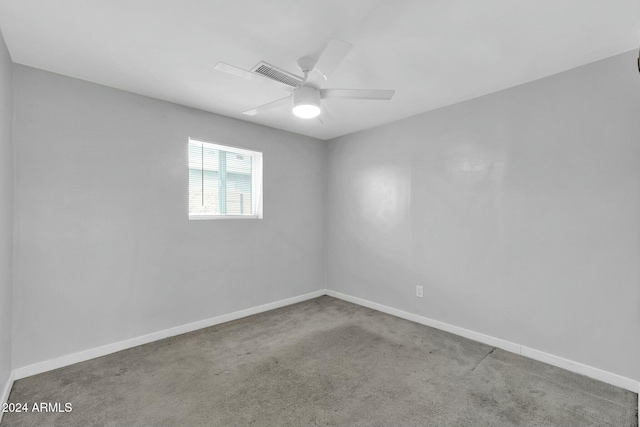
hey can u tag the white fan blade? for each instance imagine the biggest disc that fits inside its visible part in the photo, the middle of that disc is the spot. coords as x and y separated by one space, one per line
331 57
267 107
248 75
381 94
324 116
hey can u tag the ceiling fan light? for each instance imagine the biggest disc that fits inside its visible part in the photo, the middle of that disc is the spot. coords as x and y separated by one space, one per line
306 111
306 102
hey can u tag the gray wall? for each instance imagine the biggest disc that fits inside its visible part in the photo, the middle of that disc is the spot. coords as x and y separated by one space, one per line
6 210
105 248
518 212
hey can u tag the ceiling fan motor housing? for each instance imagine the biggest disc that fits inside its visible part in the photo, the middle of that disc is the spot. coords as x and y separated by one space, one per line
306 63
306 102
306 95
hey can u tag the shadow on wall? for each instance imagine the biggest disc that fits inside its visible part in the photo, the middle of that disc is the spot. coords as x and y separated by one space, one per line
472 178
411 218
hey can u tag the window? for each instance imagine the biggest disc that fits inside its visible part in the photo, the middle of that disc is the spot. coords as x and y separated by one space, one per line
224 182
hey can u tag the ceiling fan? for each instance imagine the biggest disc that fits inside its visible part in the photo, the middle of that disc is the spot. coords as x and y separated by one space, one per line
306 92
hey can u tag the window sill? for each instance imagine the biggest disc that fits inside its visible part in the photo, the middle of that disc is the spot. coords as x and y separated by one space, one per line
204 216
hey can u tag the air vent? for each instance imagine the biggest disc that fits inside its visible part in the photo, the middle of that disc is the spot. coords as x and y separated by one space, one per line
276 74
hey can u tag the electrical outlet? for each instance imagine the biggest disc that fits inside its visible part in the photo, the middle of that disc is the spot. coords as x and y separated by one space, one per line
419 291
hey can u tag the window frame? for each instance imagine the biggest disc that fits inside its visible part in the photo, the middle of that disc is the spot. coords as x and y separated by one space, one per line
257 181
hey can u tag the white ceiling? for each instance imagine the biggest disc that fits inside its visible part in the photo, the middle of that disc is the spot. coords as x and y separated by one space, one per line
433 52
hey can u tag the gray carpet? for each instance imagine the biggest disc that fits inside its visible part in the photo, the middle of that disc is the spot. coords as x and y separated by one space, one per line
320 362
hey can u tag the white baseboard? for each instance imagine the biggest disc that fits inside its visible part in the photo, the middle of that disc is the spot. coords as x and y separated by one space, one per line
81 356
6 390
581 368
569 365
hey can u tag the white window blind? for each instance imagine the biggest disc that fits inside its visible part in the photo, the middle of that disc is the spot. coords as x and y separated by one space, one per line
224 182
